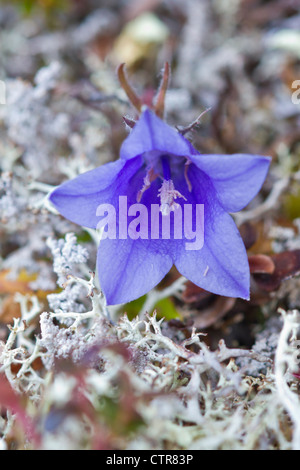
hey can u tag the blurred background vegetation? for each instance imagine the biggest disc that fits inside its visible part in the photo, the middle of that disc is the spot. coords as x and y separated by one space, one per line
239 58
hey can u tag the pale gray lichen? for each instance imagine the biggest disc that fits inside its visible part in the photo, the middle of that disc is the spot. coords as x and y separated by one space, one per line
10 203
194 391
66 253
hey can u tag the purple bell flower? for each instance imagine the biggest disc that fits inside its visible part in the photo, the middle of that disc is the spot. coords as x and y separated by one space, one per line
158 173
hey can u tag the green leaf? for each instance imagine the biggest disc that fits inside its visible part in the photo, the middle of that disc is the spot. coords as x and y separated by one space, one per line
291 205
133 308
166 309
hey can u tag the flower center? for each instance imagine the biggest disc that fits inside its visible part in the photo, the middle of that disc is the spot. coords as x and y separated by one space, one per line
167 193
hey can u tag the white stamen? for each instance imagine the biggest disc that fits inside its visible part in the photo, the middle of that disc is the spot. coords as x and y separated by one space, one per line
186 167
167 193
149 178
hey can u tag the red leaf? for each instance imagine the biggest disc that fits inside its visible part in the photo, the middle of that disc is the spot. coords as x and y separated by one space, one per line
249 234
10 400
287 264
261 264
160 103
193 293
132 96
215 312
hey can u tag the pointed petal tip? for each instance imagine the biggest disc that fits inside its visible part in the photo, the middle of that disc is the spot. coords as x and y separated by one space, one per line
54 197
236 178
245 289
53 194
245 296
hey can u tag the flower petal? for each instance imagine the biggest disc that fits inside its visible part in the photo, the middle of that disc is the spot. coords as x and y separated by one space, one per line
78 199
221 265
128 269
151 133
236 178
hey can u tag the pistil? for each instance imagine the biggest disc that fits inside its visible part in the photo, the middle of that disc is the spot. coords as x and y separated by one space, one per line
166 168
